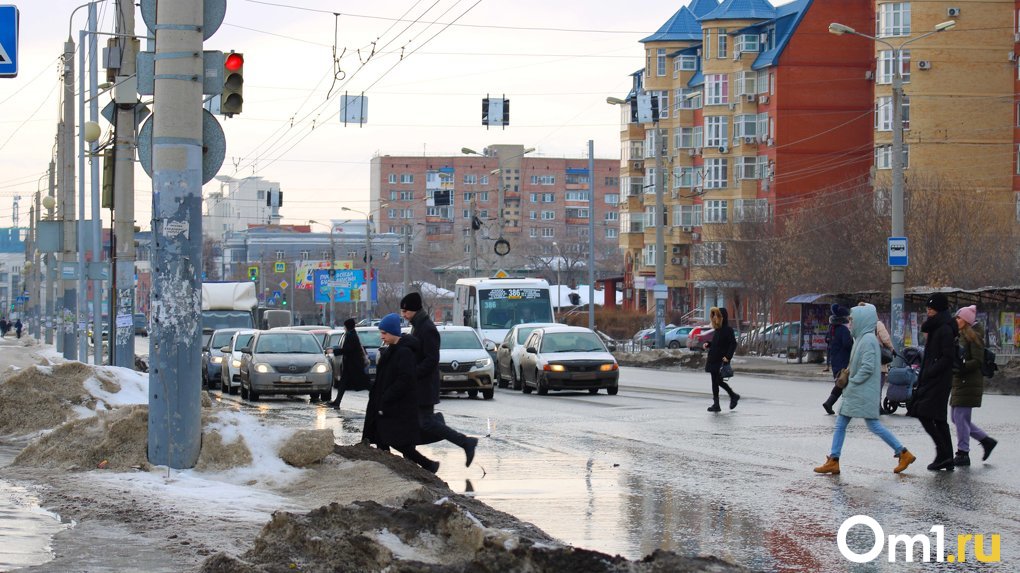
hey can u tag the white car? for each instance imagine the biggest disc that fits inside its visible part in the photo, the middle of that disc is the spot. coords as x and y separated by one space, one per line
508 354
568 358
231 380
464 362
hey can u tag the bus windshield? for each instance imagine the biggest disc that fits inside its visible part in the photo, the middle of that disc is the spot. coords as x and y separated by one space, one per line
505 307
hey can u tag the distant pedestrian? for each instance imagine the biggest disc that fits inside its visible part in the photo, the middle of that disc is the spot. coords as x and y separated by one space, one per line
968 387
391 417
860 397
840 342
352 363
18 327
4 326
720 351
433 426
935 381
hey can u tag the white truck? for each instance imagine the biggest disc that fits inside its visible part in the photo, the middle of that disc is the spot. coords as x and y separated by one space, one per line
228 305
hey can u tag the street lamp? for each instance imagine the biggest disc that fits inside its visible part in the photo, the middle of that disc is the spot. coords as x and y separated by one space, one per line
330 274
896 294
368 253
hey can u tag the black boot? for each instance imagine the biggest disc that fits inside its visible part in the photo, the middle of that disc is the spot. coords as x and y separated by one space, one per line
715 408
988 443
828 404
962 458
945 464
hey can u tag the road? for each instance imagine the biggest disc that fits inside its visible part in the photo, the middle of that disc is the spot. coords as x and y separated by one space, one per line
651 469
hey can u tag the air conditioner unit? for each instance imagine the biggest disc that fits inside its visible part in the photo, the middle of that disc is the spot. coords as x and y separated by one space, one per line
763 99
699 190
675 260
771 142
869 75
697 151
762 138
923 65
750 98
736 55
692 152
688 229
749 140
953 12
676 249
733 107
695 236
637 165
724 150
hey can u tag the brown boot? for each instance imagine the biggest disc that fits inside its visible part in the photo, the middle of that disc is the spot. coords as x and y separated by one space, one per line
831 466
906 458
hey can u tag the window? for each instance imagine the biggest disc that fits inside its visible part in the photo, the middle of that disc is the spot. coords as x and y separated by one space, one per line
723 51
533 197
747 43
548 215
652 179
393 195
745 125
686 215
575 179
746 168
716 176
407 178
660 62
688 63
468 196
279 255
612 198
747 83
710 254
612 233
631 186
886 69
470 179
407 195
687 177
706 45
484 180
636 150
304 255
441 212
533 215
893 19
715 211
631 223
650 216
261 193
884 113
611 182
764 171
750 210
392 178
392 213
577 195
763 124
688 137
483 196
576 213
611 216
763 81
883 156
548 197
533 232
548 232
717 89
717 131
648 255
543 179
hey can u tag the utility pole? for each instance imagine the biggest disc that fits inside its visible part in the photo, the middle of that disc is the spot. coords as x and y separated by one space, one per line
175 422
370 278
406 263
123 353
94 179
69 316
51 263
473 265
591 234
660 242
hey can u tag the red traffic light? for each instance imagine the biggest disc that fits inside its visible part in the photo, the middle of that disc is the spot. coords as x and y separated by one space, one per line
233 62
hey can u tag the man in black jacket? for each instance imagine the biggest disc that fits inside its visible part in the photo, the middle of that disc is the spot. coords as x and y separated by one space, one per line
930 401
433 427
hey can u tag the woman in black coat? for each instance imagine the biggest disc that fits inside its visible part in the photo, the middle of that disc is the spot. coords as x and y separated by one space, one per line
391 417
720 351
352 364
930 401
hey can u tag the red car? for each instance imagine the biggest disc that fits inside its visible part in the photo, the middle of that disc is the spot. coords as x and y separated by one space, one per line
697 338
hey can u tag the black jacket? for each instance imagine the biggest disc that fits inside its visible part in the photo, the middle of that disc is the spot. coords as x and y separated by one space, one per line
723 344
935 382
428 359
391 417
352 373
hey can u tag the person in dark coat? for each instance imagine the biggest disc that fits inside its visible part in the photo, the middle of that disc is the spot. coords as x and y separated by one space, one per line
968 387
18 327
930 401
391 416
720 351
841 342
352 363
4 325
433 426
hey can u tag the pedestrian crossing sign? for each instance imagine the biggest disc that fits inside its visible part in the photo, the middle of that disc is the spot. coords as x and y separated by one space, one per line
8 41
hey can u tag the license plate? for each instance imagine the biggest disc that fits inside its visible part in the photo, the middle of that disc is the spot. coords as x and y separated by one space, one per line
455 377
584 376
371 370
292 379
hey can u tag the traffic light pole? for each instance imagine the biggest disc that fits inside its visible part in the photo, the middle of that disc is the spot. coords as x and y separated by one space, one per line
68 319
175 422
124 199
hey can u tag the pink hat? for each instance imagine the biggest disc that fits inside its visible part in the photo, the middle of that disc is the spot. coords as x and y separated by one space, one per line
968 314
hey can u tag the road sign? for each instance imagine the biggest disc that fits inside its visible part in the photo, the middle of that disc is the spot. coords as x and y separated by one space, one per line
898 251
284 285
8 41
279 267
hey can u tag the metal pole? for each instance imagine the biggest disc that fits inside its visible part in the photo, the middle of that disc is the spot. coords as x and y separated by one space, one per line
473 260
124 199
660 242
94 180
51 265
332 278
69 316
406 263
897 294
81 319
368 255
175 423
591 234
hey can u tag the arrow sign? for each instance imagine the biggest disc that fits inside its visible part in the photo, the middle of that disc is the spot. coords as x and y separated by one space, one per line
8 41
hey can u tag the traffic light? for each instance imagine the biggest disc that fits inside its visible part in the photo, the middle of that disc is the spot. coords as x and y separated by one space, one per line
232 97
283 299
253 273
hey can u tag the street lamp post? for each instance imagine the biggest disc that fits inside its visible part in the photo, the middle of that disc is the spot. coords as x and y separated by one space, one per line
896 163
368 255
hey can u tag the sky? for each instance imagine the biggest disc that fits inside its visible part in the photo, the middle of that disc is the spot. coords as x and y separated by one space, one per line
424 66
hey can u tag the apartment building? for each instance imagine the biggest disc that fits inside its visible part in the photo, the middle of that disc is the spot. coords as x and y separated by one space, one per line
240 203
754 112
545 205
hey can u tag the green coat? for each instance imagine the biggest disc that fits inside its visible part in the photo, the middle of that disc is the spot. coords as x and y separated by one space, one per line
968 382
863 393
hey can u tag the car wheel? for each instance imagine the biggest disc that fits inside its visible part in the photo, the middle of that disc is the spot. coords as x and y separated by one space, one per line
498 376
674 344
543 387
253 395
225 384
487 394
593 390
613 390
515 380
244 391
232 389
524 384
472 393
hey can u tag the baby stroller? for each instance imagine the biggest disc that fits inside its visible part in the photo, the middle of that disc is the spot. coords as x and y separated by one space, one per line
901 381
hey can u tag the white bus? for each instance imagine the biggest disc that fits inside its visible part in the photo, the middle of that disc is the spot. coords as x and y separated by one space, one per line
493 305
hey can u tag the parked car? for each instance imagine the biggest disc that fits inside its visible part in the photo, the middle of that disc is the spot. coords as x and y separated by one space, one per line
319 332
779 337
567 358
213 357
287 362
230 381
508 354
141 323
370 340
698 336
677 337
464 362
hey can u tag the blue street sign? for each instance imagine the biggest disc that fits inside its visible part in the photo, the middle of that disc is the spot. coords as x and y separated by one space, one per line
8 41
897 251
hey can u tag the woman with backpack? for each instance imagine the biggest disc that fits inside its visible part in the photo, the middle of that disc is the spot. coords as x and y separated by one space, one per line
968 387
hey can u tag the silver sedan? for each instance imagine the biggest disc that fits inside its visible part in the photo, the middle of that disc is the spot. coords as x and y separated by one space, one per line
287 362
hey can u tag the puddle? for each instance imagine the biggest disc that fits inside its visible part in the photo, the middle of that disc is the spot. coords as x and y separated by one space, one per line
26 530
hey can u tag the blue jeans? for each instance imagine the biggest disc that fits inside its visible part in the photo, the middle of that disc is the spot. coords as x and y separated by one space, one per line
874 425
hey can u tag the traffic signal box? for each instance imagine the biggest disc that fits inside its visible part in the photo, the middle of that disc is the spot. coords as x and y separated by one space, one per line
232 97
253 273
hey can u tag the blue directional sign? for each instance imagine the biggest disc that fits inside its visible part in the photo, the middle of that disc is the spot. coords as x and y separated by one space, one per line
897 251
8 41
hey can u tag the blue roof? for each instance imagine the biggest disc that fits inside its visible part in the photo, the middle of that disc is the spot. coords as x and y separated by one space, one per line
788 17
682 26
741 10
702 7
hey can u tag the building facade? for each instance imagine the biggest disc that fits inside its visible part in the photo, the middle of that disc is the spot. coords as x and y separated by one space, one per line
240 203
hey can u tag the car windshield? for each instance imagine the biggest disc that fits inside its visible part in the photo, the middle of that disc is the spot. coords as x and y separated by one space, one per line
243 340
287 343
572 342
522 333
462 340
222 338
370 338
505 307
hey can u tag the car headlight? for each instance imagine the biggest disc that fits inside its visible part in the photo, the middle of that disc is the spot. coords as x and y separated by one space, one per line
217 360
321 368
235 363
483 362
554 368
609 367
262 368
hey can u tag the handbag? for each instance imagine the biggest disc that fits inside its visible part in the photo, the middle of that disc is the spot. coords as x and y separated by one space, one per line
843 378
887 355
726 371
